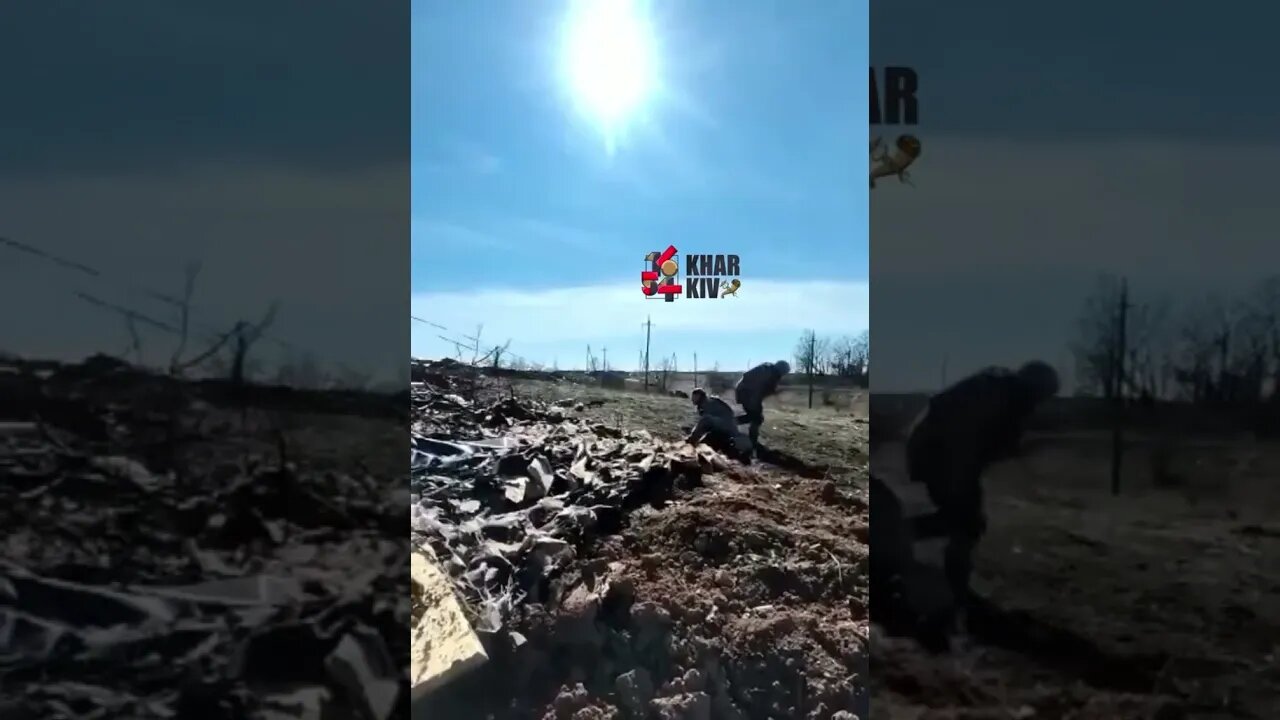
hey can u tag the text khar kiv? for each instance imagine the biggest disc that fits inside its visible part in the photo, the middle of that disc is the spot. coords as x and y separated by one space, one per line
703 274
893 96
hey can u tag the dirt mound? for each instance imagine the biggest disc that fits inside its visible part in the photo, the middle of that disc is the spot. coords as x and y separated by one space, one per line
613 575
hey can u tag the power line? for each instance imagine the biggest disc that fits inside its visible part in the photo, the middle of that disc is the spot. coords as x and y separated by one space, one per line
90 271
428 322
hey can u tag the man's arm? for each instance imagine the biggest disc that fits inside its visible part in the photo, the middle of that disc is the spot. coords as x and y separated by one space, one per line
699 430
1011 422
771 385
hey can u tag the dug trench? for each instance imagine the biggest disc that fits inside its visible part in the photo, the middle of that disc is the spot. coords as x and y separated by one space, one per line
615 574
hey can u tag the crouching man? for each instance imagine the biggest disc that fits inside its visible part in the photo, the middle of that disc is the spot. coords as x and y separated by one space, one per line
716 416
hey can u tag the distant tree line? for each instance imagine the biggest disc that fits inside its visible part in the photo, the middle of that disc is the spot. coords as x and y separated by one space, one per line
845 356
1211 351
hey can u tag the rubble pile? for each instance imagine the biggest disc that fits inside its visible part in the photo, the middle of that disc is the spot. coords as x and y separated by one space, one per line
164 557
613 574
504 492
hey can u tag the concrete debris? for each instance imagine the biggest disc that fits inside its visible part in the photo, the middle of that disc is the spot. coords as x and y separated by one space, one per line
176 556
505 491
361 665
443 644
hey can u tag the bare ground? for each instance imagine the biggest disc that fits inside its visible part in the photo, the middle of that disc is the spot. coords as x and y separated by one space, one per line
745 597
1160 603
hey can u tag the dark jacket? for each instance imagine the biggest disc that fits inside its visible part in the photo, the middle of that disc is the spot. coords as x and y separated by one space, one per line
757 384
966 428
715 407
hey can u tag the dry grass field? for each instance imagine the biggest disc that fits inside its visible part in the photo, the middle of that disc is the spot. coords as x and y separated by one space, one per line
1162 602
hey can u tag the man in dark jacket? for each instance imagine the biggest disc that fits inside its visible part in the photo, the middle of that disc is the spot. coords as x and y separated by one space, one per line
968 427
753 387
715 415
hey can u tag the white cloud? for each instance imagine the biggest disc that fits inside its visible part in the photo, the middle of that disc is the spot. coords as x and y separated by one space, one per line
590 312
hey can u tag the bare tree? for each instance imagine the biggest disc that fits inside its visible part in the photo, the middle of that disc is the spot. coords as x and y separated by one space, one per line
666 367
862 356
805 351
1148 345
1203 359
1095 347
806 354
499 352
250 334
1250 355
1264 308
848 357
822 360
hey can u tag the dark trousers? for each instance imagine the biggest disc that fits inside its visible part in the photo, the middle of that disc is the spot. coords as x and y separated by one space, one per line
753 416
956 493
964 524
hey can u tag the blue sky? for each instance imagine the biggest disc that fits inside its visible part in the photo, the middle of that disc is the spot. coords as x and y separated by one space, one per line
1061 142
142 137
533 220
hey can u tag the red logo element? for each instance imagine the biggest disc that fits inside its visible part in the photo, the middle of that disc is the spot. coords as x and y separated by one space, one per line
661 279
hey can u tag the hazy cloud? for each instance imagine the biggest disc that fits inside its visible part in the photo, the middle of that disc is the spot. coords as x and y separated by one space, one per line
588 312
989 258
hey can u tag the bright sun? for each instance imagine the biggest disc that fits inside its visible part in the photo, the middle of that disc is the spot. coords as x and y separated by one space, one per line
609 61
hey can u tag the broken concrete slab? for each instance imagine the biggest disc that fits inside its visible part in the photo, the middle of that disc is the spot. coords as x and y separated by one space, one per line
249 591
444 646
80 605
362 667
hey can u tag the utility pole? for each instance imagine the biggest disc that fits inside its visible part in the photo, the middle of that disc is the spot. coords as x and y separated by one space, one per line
813 341
695 369
604 352
1117 430
648 328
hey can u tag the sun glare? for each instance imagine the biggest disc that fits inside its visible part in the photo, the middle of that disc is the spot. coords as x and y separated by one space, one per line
609 61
